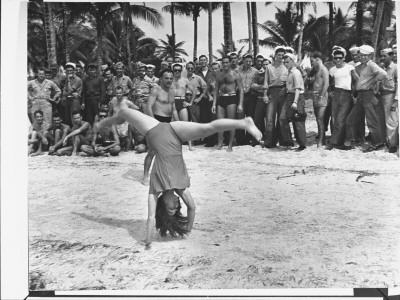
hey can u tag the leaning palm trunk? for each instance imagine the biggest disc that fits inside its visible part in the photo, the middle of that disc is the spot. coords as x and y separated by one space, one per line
50 34
330 41
173 27
195 38
67 38
99 44
249 27
377 26
299 49
255 27
210 51
359 22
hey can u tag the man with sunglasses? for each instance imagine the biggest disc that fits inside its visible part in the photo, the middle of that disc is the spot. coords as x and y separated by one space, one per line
105 140
179 87
370 74
345 78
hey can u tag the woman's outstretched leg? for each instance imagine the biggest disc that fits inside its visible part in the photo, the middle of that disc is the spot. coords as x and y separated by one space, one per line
187 131
140 121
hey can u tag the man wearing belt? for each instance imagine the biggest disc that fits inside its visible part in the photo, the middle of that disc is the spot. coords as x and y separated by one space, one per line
39 91
93 93
199 85
294 101
72 93
389 100
370 74
247 73
122 80
228 83
141 87
345 78
275 96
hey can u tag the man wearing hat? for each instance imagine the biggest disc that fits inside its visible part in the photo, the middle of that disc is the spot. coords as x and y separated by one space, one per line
258 64
294 102
355 55
150 74
247 74
388 92
370 74
275 96
39 94
141 87
93 93
122 80
80 72
72 93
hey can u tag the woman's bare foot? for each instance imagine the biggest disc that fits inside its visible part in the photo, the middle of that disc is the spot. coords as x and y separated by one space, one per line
145 180
252 128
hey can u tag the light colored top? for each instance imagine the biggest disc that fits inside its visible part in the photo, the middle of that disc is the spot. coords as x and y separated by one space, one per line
342 76
294 81
198 83
354 64
124 81
42 90
142 86
389 83
276 76
369 75
153 79
247 77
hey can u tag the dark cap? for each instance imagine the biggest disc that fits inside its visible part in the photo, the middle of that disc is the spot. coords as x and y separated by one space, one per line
92 65
53 66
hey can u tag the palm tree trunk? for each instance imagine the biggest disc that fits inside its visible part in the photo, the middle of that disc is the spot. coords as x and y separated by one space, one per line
377 26
126 31
359 22
249 27
255 27
50 34
210 50
173 27
330 41
195 38
65 18
227 26
300 32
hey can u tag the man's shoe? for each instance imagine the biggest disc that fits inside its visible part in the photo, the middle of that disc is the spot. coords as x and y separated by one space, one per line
379 146
393 149
348 148
369 149
329 147
300 148
209 145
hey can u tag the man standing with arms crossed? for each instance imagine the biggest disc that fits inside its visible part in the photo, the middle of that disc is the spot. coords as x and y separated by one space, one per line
227 84
161 106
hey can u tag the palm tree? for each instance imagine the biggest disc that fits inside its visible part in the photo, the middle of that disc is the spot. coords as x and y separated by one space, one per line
377 25
254 23
249 27
359 21
224 51
226 6
300 6
331 12
169 48
50 34
210 10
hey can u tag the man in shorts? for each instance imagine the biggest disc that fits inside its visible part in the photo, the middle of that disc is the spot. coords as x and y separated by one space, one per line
320 94
160 106
227 84
37 137
105 140
57 133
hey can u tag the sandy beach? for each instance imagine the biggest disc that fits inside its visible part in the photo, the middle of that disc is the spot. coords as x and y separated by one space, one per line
266 218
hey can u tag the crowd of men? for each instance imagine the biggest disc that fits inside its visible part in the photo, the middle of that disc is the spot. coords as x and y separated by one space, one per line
63 108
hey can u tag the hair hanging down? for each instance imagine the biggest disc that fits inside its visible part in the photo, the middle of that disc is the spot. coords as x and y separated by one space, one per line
176 224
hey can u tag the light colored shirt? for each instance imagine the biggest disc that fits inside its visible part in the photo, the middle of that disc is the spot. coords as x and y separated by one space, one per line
73 85
354 64
198 84
342 76
153 79
389 83
369 75
42 90
247 77
294 81
124 81
142 86
276 76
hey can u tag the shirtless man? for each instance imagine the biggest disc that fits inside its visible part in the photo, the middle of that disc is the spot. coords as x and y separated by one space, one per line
105 140
118 102
320 94
81 135
160 106
38 131
57 133
234 60
179 86
227 83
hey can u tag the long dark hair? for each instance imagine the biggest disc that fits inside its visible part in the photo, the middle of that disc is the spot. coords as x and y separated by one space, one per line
176 224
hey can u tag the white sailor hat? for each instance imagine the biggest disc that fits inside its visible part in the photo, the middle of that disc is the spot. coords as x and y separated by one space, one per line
279 48
338 48
394 47
119 65
290 55
177 64
247 55
139 65
288 48
71 65
354 50
387 51
259 55
366 49
150 66
231 53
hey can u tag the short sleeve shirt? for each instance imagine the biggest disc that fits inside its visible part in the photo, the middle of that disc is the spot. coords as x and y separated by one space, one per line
125 82
342 76
294 81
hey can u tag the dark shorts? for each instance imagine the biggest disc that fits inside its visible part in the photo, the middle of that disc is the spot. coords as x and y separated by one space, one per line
179 103
319 101
104 143
163 119
224 101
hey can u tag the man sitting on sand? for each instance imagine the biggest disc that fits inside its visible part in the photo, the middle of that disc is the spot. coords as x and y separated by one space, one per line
57 133
105 140
37 139
81 136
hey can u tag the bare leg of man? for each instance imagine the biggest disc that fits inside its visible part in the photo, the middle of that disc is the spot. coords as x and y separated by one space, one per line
220 115
32 142
320 114
184 116
76 142
231 114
